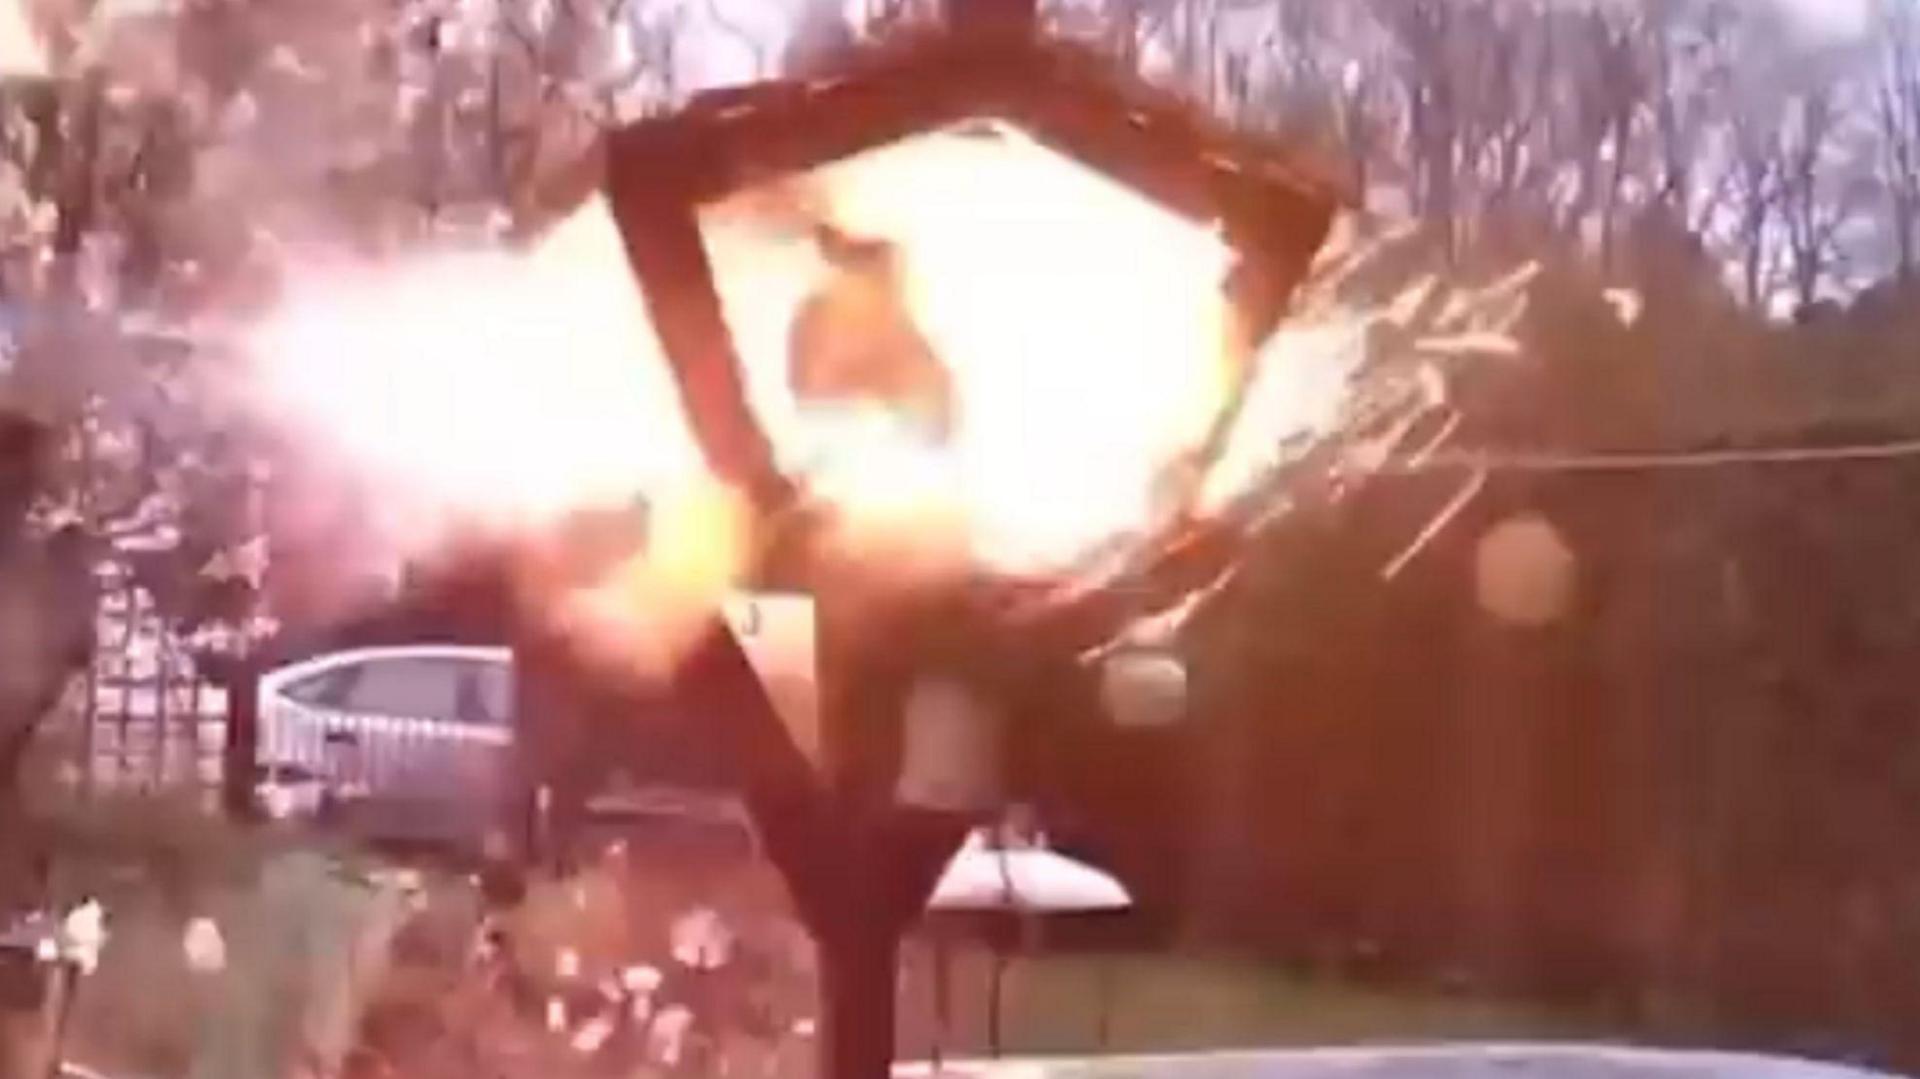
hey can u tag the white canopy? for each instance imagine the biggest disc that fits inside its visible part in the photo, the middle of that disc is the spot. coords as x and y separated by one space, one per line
980 878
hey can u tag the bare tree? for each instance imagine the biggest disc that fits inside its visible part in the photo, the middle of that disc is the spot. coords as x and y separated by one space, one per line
1896 97
1797 160
1753 178
1689 55
46 631
1426 33
1512 101
1312 76
1810 214
1523 119
1616 91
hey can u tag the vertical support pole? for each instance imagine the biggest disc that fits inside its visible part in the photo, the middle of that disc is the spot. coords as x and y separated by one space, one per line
996 974
858 981
942 998
242 683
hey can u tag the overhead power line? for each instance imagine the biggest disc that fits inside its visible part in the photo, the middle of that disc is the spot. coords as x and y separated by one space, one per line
1655 461
1481 464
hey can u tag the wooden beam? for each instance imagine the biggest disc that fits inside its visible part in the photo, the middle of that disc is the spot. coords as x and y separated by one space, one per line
648 174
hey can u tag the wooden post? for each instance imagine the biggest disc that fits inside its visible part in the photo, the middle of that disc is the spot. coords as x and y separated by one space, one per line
29 1036
859 867
1013 20
858 980
241 679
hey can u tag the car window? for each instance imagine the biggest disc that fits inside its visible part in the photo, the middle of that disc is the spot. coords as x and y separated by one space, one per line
327 689
464 690
486 689
414 687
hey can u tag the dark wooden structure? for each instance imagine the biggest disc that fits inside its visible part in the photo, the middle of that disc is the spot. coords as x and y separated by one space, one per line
859 866
660 171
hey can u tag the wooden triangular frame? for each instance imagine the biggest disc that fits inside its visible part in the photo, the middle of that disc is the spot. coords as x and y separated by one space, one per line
660 171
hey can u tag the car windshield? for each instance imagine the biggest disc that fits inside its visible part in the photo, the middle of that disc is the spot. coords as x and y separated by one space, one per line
916 537
401 685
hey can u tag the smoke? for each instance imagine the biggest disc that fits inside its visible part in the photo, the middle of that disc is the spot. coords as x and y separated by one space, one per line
20 52
499 388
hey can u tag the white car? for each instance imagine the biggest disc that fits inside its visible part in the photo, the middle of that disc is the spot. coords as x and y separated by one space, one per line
416 740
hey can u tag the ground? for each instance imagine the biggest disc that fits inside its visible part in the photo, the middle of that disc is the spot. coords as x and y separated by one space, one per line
1178 1003
1463 1061
302 935
325 944
309 937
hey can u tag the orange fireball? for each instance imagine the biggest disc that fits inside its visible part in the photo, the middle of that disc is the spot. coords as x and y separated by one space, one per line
975 351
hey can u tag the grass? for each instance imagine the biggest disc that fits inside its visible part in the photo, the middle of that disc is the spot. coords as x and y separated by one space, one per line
289 910
1174 1003
289 920
298 950
143 1014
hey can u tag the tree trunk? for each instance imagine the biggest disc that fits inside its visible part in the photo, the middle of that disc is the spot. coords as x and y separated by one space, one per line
241 679
16 845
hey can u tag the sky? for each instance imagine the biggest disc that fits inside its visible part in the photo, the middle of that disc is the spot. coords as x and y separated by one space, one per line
1833 20
720 54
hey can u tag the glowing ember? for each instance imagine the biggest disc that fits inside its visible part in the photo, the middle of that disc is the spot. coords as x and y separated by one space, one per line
1299 387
